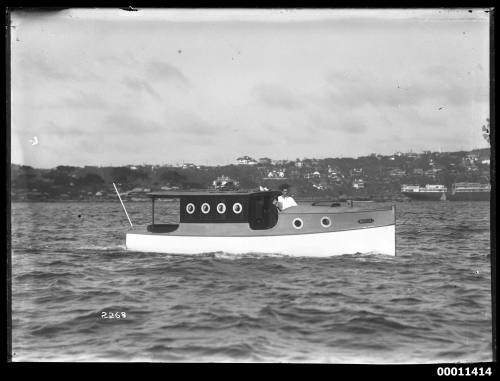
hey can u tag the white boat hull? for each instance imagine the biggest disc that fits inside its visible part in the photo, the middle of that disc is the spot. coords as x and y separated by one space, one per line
380 240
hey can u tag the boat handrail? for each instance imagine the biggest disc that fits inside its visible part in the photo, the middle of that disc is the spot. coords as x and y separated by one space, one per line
346 210
332 203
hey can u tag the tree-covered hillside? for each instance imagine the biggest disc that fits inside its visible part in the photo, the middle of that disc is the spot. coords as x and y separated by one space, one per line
376 177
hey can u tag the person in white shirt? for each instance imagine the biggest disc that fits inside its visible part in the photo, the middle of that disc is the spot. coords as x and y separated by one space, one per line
285 201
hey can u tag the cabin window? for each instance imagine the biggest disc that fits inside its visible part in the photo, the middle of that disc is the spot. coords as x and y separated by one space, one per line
237 208
214 208
297 223
205 208
221 208
190 208
326 222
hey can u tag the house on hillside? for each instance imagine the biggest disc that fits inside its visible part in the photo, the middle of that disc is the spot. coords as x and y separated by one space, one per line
225 183
319 186
312 175
357 172
397 172
471 158
276 174
411 155
358 184
333 171
246 160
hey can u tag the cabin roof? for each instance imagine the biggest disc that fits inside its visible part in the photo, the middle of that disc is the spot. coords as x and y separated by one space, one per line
209 193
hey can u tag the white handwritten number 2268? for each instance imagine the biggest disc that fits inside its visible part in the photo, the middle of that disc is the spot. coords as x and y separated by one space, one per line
113 315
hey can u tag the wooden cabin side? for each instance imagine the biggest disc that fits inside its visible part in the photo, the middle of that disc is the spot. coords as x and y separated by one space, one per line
256 215
255 209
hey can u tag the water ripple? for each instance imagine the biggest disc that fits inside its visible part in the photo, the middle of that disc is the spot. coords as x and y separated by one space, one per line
430 303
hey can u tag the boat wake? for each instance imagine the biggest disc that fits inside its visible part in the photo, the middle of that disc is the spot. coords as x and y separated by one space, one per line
263 255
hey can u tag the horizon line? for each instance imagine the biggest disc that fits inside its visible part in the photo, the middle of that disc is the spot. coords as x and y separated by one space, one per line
177 164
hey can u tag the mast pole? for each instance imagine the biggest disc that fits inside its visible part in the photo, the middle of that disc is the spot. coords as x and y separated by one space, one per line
130 222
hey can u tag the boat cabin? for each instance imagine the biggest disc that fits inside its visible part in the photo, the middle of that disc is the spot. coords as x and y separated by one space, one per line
253 208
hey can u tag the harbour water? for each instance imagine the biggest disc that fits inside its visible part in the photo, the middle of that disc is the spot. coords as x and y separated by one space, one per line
431 303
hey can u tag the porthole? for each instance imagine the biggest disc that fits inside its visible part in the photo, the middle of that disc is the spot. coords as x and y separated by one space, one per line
205 208
190 208
297 223
221 208
237 208
326 222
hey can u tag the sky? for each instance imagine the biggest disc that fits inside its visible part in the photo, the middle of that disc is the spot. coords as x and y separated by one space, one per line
112 87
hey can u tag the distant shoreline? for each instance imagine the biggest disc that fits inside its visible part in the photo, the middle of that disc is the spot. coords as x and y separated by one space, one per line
299 200
375 177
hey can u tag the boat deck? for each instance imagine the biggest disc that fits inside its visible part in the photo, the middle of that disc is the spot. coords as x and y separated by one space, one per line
307 208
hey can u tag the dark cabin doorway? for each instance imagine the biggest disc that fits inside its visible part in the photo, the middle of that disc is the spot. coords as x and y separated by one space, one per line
263 214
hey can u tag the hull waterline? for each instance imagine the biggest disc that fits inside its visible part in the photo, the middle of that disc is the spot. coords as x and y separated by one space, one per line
380 240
